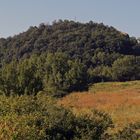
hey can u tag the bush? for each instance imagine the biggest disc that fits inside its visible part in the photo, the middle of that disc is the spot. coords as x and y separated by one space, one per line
126 68
38 117
129 132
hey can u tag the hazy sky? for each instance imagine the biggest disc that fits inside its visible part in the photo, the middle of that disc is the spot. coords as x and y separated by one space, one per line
17 15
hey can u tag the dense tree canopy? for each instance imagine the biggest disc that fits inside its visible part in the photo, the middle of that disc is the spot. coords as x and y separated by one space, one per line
66 56
74 38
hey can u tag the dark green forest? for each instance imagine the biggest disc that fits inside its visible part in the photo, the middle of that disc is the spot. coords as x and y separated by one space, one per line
52 61
66 56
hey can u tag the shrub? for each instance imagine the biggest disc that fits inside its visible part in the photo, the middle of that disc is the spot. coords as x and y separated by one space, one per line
39 118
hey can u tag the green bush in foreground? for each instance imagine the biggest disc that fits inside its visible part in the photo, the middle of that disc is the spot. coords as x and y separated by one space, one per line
129 133
39 118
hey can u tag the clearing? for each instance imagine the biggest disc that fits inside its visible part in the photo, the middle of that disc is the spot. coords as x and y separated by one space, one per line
120 99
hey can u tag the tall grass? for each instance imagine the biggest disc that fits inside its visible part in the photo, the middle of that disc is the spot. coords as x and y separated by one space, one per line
120 99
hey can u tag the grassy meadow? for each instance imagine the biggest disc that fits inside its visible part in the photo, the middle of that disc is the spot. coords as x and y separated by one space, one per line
120 99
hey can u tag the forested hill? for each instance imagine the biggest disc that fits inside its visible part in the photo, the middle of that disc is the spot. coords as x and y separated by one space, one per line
74 38
66 56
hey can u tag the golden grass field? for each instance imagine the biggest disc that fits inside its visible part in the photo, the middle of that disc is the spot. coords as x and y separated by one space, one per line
120 99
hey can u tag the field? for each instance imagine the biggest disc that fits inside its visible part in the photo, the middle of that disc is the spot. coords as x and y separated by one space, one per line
120 99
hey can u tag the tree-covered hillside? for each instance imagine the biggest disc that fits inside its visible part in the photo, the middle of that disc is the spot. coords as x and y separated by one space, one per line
76 39
66 56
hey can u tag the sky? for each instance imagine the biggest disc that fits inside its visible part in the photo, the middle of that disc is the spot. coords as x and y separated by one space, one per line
17 16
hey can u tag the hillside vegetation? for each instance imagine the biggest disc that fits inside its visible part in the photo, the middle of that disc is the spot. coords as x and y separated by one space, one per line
120 99
74 117
38 118
66 56
40 67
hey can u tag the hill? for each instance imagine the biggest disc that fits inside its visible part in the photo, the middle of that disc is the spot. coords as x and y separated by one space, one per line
66 56
77 39
69 57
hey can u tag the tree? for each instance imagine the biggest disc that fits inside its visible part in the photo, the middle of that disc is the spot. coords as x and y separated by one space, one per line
29 80
126 68
63 125
77 76
55 70
99 74
20 78
63 75
8 79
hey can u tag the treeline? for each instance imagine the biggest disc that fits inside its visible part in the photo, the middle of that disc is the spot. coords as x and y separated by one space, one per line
59 74
55 73
66 56
39 118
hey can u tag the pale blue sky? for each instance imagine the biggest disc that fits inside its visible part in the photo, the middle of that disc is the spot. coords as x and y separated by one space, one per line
17 15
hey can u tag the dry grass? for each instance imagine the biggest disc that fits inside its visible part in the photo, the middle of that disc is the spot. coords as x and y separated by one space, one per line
120 100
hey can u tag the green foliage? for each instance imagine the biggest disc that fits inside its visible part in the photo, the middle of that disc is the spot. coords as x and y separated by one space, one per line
126 68
93 126
55 73
20 78
56 67
66 56
58 74
77 75
130 132
77 39
38 117
100 74
57 59
63 75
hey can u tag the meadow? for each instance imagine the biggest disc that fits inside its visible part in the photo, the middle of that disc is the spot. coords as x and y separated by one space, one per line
121 100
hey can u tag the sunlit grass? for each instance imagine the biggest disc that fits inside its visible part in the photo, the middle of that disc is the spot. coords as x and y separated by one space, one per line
120 99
